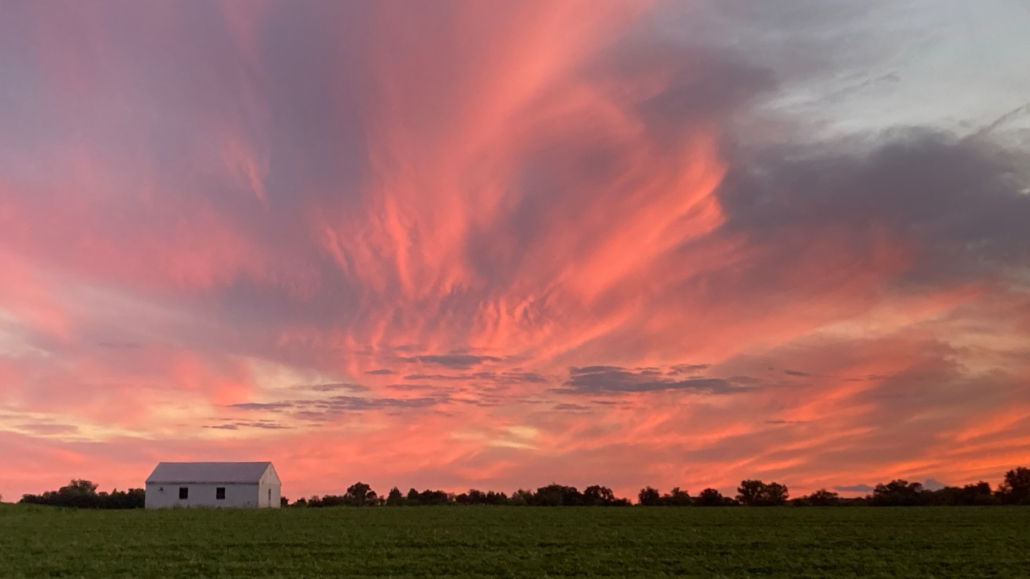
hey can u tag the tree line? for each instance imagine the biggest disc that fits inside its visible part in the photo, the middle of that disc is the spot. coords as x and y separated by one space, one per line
554 495
82 494
1013 490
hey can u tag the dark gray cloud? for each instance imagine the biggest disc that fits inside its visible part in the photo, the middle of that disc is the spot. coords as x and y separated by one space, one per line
484 403
260 424
796 373
498 377
328 408
860 488
959 203
594 369
380 372
688 368
612 379
572 407
444 377
342 403
268 406
459 361
337 386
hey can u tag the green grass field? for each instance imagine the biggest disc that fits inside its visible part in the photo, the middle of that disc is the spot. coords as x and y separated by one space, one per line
517 542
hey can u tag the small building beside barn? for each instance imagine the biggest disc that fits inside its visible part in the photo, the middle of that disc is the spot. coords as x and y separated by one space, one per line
213 484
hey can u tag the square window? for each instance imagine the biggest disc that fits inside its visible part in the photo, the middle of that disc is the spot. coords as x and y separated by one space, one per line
184 493
220 493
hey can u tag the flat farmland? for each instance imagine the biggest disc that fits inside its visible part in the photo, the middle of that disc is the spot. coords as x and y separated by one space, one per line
517 542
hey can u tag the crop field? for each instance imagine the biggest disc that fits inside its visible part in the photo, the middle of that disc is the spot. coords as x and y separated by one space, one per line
517 542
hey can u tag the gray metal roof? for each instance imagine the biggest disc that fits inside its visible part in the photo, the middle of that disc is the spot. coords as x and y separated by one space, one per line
209 472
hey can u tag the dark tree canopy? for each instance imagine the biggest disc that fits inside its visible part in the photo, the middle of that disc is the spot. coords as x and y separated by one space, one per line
360 494
756 493
395 498
1016 487
898 493
821 498
711 498
82 494
649 497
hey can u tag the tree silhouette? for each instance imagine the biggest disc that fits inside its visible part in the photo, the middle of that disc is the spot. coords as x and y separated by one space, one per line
677 498
898 493
79 486
493 498
522 497
649 497
395 498
428 497
556 495
710 498
360 494
1016 487
758 494
978 494
750 492
598 495
775 495
824 498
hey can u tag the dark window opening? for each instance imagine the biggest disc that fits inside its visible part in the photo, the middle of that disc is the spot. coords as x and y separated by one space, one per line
269 496
184 493
220 493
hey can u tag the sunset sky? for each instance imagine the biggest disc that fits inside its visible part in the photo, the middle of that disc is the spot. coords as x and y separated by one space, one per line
454 244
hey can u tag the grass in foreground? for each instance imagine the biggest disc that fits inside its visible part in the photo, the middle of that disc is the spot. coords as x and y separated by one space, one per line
517 542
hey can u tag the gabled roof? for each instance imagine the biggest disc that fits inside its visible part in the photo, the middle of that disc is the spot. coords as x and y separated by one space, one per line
210 472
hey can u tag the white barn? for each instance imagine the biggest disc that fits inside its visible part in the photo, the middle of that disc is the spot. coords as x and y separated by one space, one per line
213 484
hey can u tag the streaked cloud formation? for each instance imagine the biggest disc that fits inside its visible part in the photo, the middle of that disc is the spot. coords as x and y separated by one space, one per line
462 243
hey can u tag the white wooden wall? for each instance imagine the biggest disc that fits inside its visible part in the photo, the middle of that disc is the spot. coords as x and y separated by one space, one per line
163 496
